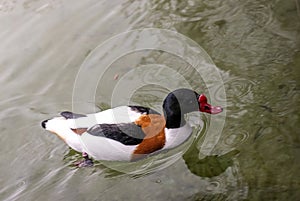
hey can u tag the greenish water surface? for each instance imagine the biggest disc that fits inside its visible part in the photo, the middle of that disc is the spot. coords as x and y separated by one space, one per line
256 47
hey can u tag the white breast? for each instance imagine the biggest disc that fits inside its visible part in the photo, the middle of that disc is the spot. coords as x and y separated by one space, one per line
177 136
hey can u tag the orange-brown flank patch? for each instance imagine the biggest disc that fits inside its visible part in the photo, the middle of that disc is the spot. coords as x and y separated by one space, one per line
153 126
79 131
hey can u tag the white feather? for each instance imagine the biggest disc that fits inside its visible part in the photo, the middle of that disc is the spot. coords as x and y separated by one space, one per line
177 136
122 114
60 127
101 148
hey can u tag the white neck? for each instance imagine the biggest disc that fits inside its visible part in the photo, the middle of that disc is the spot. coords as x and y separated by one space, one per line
176 136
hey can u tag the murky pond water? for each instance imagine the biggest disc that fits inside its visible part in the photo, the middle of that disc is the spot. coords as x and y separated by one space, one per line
255 45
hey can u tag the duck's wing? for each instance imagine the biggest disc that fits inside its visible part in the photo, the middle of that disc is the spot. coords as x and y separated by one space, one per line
118 115
125 133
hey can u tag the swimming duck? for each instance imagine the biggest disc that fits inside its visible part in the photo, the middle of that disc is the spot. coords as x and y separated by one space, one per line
129 133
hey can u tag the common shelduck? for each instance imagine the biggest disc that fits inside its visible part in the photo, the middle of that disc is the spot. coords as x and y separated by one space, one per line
129 133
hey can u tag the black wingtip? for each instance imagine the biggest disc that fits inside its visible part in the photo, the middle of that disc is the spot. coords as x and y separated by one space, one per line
44 123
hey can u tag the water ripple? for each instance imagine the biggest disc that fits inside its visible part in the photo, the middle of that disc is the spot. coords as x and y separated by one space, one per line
237 89
14 190
291 95
213 186
237 138
7 5
260 14
40 6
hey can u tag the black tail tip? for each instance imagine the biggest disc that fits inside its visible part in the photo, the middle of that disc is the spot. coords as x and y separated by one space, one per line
44 123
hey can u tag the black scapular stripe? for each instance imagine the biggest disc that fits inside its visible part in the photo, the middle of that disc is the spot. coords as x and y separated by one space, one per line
71 115
127 133
142 110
